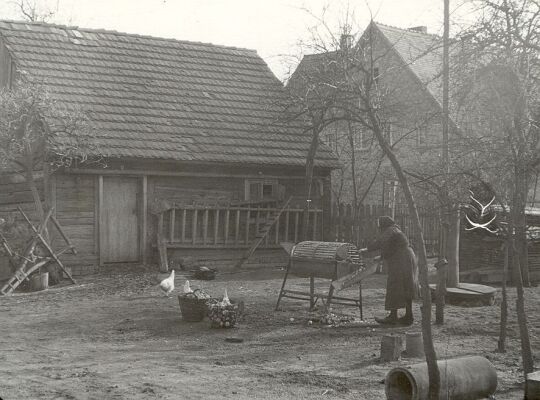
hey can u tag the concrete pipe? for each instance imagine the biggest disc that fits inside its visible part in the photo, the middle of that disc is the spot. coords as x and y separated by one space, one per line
465 378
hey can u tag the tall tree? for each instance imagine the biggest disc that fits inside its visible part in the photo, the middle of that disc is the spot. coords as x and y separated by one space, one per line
500 107
349 89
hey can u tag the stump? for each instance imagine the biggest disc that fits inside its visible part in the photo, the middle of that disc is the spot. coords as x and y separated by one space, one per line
532 386
391 347
414 345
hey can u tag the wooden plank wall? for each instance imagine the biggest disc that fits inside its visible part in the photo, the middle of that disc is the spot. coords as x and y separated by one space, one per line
188 190
226 259
76 212
14 193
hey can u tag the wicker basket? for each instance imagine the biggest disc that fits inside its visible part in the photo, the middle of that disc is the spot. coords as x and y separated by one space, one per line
222 316
193 308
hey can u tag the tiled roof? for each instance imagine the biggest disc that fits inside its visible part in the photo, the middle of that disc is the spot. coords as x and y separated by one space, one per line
422 52
162 98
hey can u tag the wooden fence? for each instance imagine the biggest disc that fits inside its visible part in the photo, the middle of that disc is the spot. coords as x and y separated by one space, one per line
363 228
199 226
192 226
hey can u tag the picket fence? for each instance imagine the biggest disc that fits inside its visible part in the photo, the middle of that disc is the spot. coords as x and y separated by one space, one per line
360 230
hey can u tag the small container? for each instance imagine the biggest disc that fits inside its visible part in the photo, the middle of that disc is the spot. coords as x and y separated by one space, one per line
414 345
39 281
193 308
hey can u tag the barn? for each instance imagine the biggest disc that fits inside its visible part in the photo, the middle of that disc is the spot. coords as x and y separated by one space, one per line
195 149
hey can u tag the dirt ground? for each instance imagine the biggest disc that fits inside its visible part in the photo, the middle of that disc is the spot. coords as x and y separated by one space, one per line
115 336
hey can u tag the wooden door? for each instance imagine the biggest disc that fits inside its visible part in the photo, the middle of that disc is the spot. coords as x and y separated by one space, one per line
119 217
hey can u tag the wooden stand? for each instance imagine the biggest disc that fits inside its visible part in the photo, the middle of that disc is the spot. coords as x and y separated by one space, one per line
29 262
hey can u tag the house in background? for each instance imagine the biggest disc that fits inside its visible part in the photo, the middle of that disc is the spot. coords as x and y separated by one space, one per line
407 69
189 131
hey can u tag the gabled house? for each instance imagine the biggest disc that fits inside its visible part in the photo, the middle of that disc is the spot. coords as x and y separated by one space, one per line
191 138
407 65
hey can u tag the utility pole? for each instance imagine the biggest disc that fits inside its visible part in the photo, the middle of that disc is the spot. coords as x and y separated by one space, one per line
451 211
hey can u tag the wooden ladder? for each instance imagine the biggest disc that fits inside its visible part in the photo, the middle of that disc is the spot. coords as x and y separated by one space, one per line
264 229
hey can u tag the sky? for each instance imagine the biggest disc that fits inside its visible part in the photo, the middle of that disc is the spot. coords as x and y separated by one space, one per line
277 29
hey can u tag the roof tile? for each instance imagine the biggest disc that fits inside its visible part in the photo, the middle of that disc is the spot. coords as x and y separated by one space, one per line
164 98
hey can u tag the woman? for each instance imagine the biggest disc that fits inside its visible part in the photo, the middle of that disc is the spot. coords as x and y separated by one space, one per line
402 282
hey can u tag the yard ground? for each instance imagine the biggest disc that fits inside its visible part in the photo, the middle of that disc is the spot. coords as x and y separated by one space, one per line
115 336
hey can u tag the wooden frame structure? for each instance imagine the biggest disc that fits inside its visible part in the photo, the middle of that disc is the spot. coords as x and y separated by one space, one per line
339 262
29 262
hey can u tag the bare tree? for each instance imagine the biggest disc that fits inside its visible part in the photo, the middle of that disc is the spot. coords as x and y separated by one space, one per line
39 133
499 104
344 86
34 11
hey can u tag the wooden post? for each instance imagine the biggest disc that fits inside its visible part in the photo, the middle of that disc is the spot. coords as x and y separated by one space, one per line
247 225
269 229
194 226
226 229
441 266
391 348
183 232
101 226
216 226
162 247
311 292
237 227
144 228
172 215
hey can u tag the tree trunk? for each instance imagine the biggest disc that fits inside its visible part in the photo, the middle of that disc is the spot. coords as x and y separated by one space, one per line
501 344
429 349
310 163
452 248
518 216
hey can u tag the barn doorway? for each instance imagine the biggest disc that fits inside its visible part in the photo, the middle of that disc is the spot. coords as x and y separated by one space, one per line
119 220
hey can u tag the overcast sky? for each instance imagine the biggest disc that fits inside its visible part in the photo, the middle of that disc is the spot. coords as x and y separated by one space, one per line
272 27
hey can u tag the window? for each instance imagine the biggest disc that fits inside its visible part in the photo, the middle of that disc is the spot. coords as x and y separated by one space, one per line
331 140
262 189
363 139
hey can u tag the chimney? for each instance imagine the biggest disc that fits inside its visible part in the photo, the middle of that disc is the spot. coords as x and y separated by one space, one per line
419 29
345 42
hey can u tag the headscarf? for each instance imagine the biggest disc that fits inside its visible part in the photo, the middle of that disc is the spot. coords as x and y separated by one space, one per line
385 222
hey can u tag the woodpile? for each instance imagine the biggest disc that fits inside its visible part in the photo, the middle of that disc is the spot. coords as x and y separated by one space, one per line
481 258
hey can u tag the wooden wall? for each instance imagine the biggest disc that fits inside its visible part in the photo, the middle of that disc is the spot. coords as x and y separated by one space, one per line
226 259
14 193
75 202
189 190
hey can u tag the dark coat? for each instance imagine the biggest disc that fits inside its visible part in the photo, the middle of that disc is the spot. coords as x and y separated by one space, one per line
402 282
